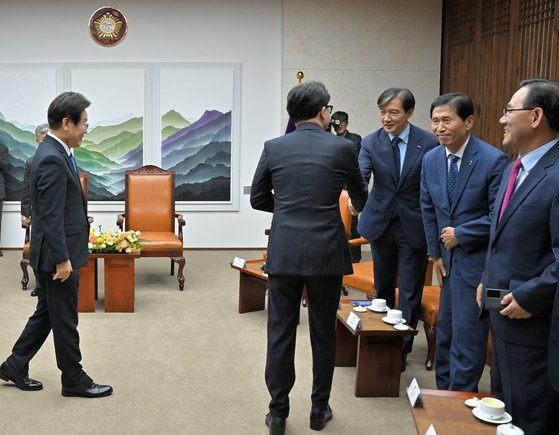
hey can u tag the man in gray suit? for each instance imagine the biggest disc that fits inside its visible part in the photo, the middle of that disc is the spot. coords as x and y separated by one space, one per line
299 179
40 133
4 164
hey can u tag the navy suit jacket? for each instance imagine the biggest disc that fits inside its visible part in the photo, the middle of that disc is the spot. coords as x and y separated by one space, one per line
60 227
554 345
299 179
389 195
481 168
523 252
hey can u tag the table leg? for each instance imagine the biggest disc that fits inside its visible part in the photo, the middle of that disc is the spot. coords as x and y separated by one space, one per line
87 290
119 284
379 361
252 293
346 346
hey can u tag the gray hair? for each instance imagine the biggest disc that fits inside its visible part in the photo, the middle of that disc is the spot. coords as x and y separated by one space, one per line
43 128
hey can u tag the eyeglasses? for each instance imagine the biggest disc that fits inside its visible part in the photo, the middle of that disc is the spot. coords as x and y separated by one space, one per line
506 111
329 107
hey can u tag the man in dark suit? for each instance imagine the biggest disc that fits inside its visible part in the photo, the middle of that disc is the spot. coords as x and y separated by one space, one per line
4 164
59 237
40 134
554 345
391 219
459 181
299 179
523 257
340 127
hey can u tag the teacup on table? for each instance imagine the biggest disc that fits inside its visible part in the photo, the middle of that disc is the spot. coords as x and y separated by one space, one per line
492 408
378 304
394 316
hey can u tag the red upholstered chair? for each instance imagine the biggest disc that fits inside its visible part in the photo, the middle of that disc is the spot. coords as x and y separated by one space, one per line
150 208
24 263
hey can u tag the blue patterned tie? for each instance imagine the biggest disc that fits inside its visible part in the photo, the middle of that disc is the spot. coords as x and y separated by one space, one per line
396 150
452 177
73 160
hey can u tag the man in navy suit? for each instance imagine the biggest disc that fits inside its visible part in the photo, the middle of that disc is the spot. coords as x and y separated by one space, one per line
554 345
459 181
391 219
59 236
523 257
299 179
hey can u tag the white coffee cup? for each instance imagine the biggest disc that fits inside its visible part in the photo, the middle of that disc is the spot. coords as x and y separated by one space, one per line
394 315
379 304
492 408
509 429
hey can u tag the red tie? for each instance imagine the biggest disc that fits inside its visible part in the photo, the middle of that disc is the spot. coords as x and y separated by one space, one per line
510 187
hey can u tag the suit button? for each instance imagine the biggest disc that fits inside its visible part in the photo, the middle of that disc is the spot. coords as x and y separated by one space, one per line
494 250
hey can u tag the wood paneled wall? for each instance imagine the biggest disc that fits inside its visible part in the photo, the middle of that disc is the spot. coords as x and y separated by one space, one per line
489 46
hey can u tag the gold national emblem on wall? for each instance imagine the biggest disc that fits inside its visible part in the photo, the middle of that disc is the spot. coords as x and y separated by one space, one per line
107 26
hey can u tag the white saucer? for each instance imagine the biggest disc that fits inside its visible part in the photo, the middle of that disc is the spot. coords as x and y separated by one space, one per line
392 322
376 310
401 327
473 402
506 418
360 309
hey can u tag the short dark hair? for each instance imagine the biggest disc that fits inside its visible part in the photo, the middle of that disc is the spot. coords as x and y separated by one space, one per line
66 105
543 93
306 100
408 101
460 103
340 116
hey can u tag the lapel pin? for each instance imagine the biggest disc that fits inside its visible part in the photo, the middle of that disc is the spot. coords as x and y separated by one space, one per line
470 164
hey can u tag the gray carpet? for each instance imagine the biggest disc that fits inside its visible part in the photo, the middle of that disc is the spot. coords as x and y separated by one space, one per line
184 362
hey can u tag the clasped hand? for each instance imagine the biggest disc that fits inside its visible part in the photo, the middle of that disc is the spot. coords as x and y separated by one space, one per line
448 238
63 271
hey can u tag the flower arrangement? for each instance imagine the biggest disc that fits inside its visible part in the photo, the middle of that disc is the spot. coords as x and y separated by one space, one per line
114 241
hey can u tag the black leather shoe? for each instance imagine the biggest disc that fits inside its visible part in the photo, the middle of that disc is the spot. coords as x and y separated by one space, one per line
320 418
275 424
34 292
21 380
90 391
1 254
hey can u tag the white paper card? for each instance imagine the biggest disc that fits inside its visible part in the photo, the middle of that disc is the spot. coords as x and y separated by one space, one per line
431 431
354 321
239 262
414 393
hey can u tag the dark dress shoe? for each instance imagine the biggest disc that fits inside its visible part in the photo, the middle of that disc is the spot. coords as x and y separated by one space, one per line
1 254
21 380
275 424
34 292
90 391
320 418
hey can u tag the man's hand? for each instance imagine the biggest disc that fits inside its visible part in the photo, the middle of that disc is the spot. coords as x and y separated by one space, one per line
25 221
447 236
479 294
440 271
63 271
513 310
350 208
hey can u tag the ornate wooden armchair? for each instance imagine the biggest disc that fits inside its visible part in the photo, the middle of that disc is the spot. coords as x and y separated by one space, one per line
24 263
150 208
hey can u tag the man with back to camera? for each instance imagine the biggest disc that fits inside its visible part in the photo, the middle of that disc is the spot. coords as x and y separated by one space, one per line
59 237
299 179
391 219
523 258
340 127
459 181
40 134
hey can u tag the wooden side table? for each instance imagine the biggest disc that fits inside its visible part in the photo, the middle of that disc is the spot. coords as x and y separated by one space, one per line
252 286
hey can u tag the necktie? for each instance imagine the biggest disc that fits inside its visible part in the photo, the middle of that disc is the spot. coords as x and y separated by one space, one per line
510 186
452 177
396 151
73 160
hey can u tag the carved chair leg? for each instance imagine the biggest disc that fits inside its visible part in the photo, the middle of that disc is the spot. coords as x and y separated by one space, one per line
172 268
25 280
180 277
431 334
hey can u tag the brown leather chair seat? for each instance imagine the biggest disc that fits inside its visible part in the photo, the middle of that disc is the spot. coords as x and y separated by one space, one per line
362 278
160 241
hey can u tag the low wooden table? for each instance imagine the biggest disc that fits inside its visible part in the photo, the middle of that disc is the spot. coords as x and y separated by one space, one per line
119 283
375 350
446 411
252 286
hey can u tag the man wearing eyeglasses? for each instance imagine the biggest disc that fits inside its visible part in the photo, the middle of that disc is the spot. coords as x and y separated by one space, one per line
391 219
523 259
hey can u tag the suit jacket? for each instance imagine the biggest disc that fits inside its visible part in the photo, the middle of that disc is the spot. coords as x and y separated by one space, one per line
60 227
523 252
4 165
26 189
392 196
478 182
554 345
306 170
356 139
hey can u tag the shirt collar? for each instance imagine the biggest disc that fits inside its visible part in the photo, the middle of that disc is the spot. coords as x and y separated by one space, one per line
460 152
404 136
533 157
66 147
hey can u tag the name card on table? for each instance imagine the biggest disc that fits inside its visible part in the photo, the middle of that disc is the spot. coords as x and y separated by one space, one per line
431 430
414 394
354 321
239 262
